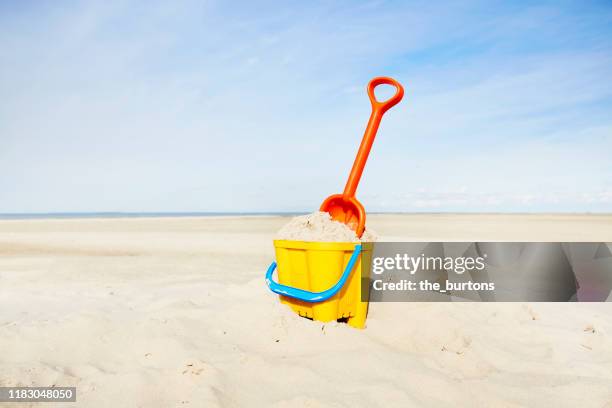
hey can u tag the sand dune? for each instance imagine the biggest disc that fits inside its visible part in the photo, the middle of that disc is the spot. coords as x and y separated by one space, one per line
174 312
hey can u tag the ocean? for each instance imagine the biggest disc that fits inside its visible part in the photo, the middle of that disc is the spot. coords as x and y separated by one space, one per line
64 215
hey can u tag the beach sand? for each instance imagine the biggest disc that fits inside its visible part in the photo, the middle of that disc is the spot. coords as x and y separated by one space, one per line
169 312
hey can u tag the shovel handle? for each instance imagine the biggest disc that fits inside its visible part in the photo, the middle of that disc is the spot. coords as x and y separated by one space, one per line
378 110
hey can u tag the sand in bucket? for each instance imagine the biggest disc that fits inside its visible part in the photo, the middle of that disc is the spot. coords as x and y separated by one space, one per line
320 227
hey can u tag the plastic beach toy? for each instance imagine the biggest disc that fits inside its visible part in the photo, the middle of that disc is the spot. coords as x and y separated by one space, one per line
328 281
323 280
345 207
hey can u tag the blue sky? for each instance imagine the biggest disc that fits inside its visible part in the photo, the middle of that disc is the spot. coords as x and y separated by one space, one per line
227 106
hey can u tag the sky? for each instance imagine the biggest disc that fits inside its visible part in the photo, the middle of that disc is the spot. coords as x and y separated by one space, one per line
260 106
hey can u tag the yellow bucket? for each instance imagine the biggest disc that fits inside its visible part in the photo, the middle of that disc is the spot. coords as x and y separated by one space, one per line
323 280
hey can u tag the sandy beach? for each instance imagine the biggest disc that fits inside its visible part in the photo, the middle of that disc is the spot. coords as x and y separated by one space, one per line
174 312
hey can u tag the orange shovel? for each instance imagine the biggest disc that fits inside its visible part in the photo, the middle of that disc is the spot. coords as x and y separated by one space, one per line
345 207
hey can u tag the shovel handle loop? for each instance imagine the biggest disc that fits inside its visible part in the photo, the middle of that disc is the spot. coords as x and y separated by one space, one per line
307 296
389 103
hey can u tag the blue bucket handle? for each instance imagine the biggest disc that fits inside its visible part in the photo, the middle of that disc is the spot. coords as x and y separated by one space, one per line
308 296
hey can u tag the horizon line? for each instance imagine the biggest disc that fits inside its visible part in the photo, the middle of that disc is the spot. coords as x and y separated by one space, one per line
169 214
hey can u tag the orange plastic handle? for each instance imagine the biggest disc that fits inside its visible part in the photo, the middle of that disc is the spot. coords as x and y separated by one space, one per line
378 110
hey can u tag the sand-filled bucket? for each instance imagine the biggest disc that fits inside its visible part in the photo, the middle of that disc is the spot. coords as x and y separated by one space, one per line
322 280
